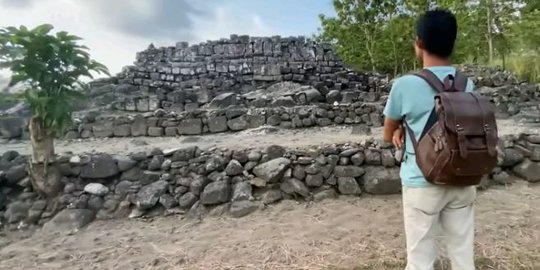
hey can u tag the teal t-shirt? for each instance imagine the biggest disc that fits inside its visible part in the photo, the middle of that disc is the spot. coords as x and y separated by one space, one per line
412 99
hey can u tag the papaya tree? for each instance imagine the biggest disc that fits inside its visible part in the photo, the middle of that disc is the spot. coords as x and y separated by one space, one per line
50 67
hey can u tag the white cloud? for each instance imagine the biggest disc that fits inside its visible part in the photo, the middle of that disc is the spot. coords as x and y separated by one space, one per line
116 30
225 21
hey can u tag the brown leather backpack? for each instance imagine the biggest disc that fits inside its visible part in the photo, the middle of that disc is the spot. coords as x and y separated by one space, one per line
458 144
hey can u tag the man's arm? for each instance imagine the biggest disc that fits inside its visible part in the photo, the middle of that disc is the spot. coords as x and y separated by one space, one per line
390 127
393 112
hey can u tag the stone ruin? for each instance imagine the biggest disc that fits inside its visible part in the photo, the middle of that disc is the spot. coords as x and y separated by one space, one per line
227 86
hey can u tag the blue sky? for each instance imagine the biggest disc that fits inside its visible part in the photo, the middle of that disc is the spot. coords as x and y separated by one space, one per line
116 29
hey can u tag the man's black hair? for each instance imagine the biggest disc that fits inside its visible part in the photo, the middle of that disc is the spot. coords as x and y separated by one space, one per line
437 29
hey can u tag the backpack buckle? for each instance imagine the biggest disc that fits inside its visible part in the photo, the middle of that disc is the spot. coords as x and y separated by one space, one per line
459 129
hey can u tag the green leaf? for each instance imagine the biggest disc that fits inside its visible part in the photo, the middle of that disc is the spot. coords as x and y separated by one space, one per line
43 29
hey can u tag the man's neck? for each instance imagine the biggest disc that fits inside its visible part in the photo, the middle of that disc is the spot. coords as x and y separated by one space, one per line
430 61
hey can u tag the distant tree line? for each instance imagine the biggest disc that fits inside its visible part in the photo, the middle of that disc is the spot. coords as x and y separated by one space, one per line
378 34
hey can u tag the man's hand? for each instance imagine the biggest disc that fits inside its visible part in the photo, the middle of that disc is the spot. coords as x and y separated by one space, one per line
398 138
390 128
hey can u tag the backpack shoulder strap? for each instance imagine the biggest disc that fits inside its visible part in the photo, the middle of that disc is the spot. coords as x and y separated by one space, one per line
460 82
432 79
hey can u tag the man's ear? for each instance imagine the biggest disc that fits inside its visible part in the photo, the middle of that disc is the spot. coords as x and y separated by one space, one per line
419 43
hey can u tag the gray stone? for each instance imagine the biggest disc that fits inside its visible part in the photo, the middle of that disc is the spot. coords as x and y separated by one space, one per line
155 131
69 220
167 201
305 160
528 170
16 174
11 127
234 168
255 121
16 212
258 182
254 155
133 174
217 124
223 101
314 168
511 157
314 180
358 159
287 101
373 157
191 127
274 151
274 120
242 208
348 171
103 130
348 186
187 200
123 188
503 178
122 130
198 184
238 123
273 170
325 194
299 172
95 203
166 165
323 122
100 167
235 112
271 196
333 96
69 188
293 186
242 191
149 195
377 181
387 159
184 154
215 163
124 163
349 152
156 162
148 177
216 192
241 156
534 139
96 189
171 131
139 127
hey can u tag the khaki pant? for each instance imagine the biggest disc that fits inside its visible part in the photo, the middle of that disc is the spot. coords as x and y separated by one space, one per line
443 215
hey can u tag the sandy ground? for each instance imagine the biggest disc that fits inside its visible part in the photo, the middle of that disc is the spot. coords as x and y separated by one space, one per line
345 233
259 137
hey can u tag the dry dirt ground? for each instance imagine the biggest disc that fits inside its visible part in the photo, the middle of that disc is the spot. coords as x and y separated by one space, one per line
345 233
254 138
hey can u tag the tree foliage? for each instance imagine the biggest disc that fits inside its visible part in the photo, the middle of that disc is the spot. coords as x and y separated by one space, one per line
50 66
379 34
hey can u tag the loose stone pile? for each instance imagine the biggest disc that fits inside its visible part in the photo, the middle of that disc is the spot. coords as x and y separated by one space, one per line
197 182
190 76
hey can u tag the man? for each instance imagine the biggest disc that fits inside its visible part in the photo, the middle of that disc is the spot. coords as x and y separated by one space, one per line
431 212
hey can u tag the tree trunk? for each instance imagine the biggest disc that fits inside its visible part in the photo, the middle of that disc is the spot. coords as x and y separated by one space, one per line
44 175
489 32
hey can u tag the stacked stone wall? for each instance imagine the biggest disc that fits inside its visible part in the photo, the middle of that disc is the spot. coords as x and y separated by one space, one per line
198 182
